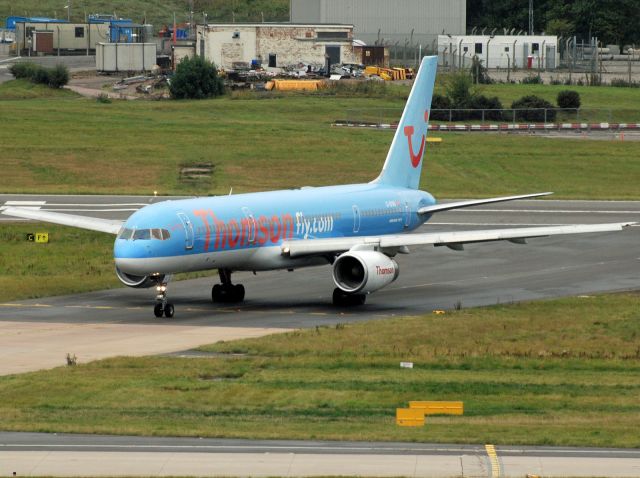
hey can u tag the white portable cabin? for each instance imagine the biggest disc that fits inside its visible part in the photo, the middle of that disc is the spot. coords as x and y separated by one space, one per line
499 51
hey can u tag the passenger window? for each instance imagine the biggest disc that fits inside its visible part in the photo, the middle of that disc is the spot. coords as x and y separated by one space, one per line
141 234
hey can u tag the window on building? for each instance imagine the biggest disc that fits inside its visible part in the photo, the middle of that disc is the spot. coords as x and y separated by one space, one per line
332 35
506 49
465 49
535 47
79 32
478 48
235 35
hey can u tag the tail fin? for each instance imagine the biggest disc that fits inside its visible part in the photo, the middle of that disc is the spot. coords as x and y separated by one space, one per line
404 160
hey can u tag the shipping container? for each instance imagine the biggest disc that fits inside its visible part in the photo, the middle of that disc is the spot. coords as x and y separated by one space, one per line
125 57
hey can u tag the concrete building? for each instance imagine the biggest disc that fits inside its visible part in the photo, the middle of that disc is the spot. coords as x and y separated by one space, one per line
275 44
499 51
399 23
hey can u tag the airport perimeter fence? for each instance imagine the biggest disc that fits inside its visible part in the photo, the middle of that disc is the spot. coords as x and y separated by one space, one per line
499 116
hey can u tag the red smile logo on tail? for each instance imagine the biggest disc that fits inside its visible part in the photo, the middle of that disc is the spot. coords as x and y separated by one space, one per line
408 132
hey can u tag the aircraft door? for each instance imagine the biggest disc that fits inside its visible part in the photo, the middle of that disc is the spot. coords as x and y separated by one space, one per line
407 215
356 219
188 230
251 237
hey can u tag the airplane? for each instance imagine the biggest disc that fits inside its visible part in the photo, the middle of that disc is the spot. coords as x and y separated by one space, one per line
355 228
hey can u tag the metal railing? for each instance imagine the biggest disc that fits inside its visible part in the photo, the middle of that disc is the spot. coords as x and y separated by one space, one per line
507 115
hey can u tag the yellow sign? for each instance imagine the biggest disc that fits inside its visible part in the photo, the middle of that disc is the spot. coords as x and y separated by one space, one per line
438 408
42 237
409 417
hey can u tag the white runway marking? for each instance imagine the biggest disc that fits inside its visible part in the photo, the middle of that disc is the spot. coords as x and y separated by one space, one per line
92 210
24 204
546 211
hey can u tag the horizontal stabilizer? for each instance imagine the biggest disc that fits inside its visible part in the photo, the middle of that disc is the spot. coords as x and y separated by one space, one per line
475 202
82 222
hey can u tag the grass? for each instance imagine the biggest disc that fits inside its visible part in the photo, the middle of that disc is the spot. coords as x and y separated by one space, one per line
24 89
560 372
156 12
73 261
85 147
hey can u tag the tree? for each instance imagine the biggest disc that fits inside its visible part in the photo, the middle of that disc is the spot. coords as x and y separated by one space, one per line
196 78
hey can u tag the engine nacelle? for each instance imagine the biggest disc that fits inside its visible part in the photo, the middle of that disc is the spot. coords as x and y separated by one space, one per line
364 271
138 282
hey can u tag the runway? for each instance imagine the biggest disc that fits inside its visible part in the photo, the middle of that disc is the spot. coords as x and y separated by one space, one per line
72 455
38 333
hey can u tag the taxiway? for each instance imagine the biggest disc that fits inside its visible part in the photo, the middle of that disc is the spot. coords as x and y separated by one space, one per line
38 333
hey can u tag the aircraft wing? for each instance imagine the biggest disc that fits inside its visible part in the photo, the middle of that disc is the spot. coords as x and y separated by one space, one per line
453 240
82 222
475 202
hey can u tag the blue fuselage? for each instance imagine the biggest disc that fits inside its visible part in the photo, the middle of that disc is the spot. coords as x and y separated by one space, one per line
227 231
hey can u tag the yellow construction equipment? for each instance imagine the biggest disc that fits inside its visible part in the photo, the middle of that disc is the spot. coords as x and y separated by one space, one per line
438 408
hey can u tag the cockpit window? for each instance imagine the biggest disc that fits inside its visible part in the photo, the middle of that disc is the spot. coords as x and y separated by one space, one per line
144 234
141 234
125 234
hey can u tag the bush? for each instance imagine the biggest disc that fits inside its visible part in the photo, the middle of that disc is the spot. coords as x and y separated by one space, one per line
55 77
439 102
459 90
532 80
481 102
620 83
196 78
41 76
103 98
568 99
532 109
58 76
23 70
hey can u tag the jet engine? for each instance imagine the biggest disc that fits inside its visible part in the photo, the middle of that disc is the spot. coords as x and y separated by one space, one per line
364 271
138 282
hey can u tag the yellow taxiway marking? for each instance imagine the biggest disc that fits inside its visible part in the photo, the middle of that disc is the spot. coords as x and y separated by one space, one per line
493 457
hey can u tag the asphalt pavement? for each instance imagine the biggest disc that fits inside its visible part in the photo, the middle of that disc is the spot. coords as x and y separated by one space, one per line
73 455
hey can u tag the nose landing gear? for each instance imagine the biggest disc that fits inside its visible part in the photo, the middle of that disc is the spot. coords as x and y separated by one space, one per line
226 291
163 307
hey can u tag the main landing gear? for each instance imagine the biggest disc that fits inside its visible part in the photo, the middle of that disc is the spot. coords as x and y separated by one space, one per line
226 291
343 299
163 307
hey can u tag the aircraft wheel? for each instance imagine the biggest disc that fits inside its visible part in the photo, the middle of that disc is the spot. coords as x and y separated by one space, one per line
238 293
158 310
216 293
342 299
168 311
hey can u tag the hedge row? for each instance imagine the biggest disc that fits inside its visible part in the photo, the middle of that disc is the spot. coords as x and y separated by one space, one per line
55 77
